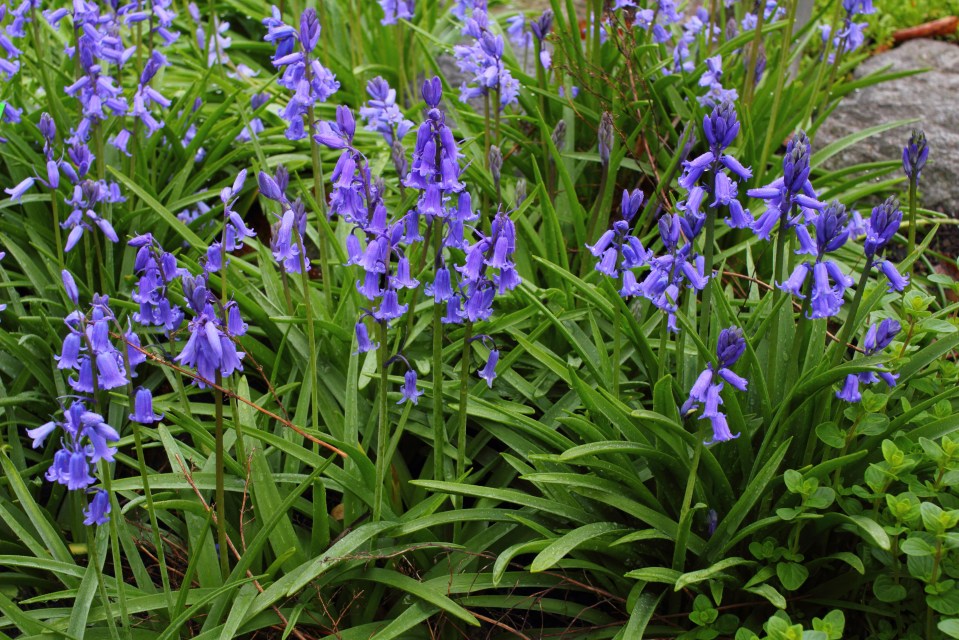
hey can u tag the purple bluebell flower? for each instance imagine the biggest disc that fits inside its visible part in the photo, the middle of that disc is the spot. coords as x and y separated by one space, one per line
668 273
519 35
618 250
793 191
829 282
410 392
85 440
157 270
881 228
488 372
381 112
914 155
99 510
394 10
706 390
303 75
143 408
542 25
16 192
877 338
482 61
712 78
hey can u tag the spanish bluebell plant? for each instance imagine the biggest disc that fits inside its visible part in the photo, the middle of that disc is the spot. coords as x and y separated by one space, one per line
705 393
879 336
914 157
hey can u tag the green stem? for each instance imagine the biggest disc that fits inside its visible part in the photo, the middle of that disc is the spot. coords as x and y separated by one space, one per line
617 333
779 267
382 434
439 424
850 324
912 223
705 306
464 399
663 343
115 548
220 491
783 69
101 587
679 552
934 578
310 334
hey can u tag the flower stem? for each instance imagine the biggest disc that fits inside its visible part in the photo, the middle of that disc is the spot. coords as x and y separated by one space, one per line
779 273
382 435
708 248
850 324
617 338
464 398
220 491
783 70
439 424
115 548
911 247
101 587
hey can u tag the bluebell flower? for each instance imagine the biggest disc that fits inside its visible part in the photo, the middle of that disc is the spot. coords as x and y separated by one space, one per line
143 408
381 112
394 10
712 78
914 155
668 273
792 191
303 75
519 35
363 339
410 393
829 282
157 270
482 61
881 228
618 250
877 338
706 390
86 439
99 510
87 194
488 372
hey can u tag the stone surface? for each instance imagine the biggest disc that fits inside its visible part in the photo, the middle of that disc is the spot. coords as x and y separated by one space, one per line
933 97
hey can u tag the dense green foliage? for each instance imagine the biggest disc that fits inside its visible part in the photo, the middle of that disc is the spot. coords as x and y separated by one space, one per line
573 497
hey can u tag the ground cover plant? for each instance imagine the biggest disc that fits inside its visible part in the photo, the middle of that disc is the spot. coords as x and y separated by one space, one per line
444 320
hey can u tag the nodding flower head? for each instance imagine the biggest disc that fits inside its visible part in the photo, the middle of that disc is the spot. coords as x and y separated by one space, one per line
309 30
721 127
796 163
914 155
632 201
542 25
831 227
879 336
731 346
433 92
882 226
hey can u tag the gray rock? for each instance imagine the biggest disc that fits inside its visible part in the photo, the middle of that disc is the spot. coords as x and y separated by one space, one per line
932 97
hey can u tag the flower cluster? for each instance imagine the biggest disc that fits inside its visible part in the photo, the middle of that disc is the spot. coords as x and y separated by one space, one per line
303 75
394 10
878 337
86 440
721 127
829 282
880 229
793 192
285 246
157 270
712 78
234 229
381 112
10 61
708 386
482 59
211 347
618 250
852 34
160 16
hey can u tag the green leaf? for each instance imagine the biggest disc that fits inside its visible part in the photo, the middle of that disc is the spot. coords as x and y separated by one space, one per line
704 574
950 627
886 590
768 592
655 574
562 546
791 575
